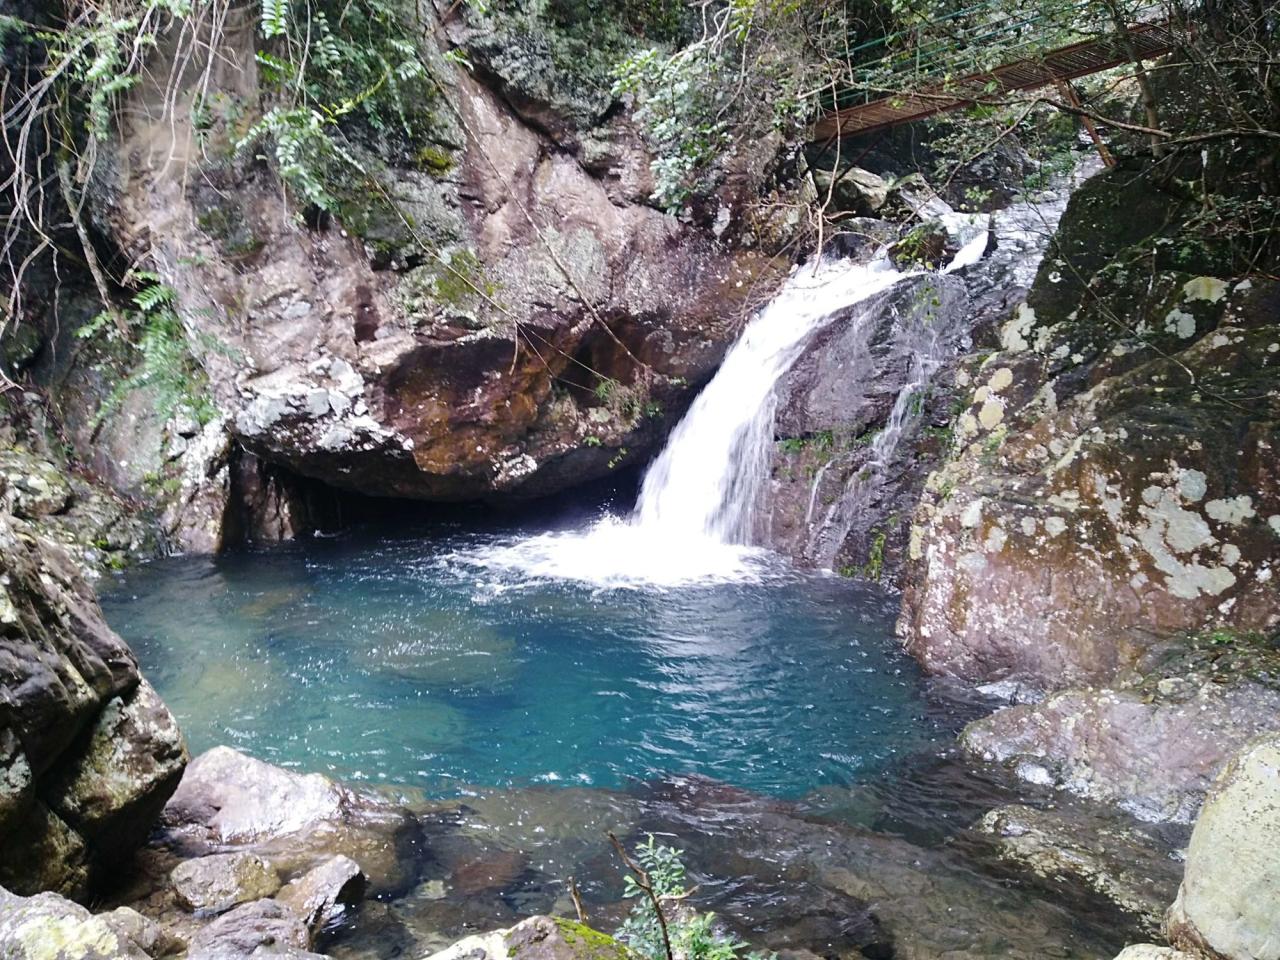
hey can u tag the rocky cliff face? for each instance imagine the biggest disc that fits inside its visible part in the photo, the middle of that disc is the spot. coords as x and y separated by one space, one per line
496 312
1107 526
88 752
1114 482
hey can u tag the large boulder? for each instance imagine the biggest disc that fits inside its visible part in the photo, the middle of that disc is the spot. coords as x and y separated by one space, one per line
88 752
1115 482
228 800
1229 902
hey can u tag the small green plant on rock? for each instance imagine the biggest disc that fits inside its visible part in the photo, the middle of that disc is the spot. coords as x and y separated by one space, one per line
166 363
656 928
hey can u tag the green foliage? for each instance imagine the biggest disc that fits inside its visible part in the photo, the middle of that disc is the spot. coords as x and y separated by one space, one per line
165 362
679 102
745 77
693 935
329 64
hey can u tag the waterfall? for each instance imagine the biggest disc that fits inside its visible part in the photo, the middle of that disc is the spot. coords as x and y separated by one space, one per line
694 520
706 482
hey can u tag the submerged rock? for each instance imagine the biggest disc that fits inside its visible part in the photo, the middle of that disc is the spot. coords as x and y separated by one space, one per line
1120 862
296 821
1229 902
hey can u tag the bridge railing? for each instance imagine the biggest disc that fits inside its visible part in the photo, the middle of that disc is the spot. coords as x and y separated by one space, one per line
974 39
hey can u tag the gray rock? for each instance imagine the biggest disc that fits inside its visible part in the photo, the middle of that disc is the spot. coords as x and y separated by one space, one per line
1091 509
216 883
323 896
1150 951
88 752
855 191
1153 747
1122 862
50 927
1229 902
297 821
263 925
153 939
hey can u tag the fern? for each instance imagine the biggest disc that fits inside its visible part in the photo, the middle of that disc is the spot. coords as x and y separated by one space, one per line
275 18
165 363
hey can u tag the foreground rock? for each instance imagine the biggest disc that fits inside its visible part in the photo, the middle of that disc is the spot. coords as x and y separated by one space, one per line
539 938
1152 745
323 896
252 929
88 752
295 821
1229 902
50 927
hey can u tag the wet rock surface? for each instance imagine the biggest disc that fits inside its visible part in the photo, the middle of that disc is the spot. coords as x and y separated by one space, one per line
1155 741
865 873
324 895
88 752
1120 860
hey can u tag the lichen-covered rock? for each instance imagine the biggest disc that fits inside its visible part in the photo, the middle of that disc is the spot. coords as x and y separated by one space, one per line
1117 860
88 753
153 939
1116 480
1151 951
92 523
220 881
1152 745
50 927
228 800
1229 902
538 938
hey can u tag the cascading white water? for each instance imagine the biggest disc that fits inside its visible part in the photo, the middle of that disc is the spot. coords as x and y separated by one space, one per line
693 521
705 484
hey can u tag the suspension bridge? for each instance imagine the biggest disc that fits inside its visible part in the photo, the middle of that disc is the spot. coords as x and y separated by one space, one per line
947 65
